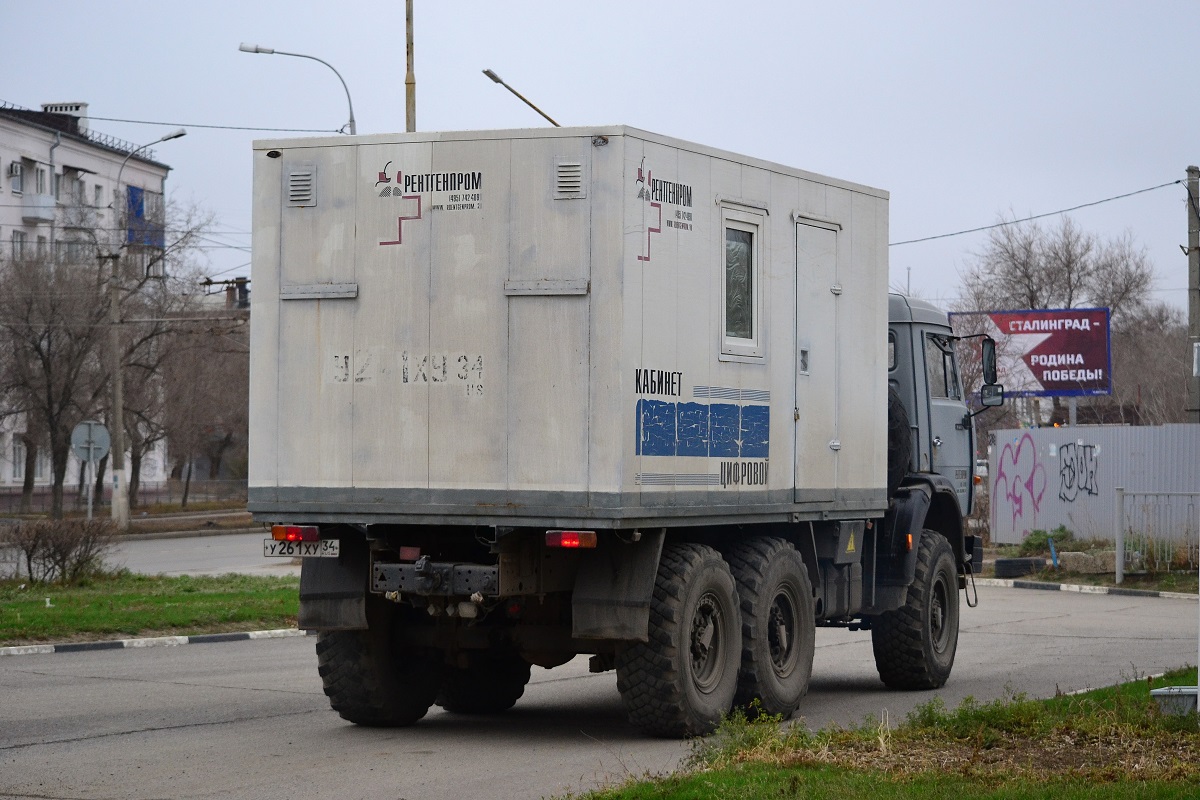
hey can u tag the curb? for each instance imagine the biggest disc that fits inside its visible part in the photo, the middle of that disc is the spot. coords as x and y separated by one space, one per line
157 641
1017 583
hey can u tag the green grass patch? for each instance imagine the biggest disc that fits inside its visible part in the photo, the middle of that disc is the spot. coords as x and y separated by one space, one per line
126 605
1109 743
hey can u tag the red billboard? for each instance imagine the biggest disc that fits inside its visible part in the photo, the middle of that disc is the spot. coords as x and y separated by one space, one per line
1059 352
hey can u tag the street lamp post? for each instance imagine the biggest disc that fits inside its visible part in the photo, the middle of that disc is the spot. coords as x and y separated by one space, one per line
497 79
120 494
254 48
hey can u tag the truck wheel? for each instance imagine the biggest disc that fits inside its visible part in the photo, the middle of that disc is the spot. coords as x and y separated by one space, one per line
488 686
370 681
915 644
778 625
683 680
899 452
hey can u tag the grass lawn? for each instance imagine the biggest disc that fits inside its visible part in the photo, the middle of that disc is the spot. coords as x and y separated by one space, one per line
1110 743
126 605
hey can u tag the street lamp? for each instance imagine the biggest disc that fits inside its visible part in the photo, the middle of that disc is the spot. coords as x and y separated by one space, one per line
254 48
498 80
120 495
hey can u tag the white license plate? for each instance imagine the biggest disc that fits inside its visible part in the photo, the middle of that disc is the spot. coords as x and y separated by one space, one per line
326 548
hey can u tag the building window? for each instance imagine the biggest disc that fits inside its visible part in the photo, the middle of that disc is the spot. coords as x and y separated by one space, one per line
18 244
41 180
741 307
18 459
99 195
43 247
16 172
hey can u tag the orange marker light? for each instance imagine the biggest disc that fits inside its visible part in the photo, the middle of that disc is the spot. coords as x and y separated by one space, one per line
908 542
571 539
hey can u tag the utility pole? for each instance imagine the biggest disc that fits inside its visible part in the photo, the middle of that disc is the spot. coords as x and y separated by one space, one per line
410 79
1193 209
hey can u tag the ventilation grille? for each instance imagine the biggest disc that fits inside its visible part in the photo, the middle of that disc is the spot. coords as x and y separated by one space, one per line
569 183
302 185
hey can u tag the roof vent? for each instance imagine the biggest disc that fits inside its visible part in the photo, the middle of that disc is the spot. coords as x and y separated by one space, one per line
569 183
302 185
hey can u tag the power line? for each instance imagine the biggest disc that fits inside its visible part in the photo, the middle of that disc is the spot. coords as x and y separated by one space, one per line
219 127
1035 216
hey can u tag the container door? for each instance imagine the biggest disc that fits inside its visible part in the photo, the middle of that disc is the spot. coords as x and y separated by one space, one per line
817 363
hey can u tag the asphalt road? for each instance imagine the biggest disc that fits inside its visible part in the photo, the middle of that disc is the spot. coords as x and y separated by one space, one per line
198 554
248 719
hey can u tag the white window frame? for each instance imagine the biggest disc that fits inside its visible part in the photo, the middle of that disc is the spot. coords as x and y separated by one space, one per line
17 181
753 221
18 458
41 180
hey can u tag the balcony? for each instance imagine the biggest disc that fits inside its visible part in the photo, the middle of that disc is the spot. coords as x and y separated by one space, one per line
38 208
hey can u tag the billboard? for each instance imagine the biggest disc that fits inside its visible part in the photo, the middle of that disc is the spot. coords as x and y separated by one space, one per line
1061 352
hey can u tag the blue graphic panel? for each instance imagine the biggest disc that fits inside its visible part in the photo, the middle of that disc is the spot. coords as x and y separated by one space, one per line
693 430
725 429
656 428
719 430
756 431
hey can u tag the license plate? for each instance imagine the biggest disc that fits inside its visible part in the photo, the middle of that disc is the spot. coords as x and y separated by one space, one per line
326 548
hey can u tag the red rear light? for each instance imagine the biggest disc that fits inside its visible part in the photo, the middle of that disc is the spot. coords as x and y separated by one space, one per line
295 533
574 539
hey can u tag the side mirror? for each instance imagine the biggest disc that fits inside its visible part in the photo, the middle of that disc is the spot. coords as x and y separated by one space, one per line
989 361
991 395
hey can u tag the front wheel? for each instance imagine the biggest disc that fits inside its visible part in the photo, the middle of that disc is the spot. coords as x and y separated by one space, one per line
915 644
682 681
490 685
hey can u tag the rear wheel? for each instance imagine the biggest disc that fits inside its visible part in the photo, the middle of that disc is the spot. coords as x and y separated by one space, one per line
683 680
491 684
915 644
369 679
778 625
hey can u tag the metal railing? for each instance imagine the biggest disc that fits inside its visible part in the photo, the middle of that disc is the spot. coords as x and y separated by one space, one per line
1157 531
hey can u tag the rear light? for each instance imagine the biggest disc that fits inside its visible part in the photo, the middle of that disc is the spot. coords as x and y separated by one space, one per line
295 533
572 539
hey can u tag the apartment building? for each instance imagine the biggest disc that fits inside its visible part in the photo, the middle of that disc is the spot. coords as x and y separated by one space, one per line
71 194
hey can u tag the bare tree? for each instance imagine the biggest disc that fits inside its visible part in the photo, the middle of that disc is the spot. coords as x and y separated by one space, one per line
54 325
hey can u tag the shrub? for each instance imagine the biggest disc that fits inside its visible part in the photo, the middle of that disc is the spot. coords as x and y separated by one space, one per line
63 551
1038 541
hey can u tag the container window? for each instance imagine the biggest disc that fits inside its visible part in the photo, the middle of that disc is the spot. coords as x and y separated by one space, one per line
739 283
741 309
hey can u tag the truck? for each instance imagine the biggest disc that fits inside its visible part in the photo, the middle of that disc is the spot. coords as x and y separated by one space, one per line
519 396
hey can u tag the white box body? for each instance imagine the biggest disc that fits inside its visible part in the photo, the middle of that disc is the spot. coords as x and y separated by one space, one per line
555 327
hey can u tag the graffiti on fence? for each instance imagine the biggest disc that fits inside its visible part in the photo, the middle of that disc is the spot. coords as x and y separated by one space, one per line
1076 471
1019 486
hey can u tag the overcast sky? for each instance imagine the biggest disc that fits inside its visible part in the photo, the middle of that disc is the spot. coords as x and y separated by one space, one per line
962 110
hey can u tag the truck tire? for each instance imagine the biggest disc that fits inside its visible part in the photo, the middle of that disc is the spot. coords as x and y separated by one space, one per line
370 681
915 644
1018 567
489 686
682 681
899 451
778 625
